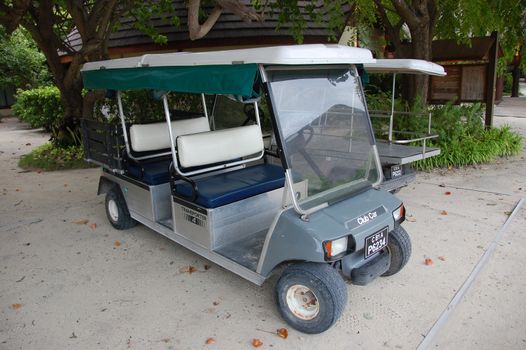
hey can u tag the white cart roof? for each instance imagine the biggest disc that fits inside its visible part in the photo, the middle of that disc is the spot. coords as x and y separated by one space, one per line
403 65
286 55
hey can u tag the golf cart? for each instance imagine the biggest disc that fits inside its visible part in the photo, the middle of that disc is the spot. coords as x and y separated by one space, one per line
398 149
304 202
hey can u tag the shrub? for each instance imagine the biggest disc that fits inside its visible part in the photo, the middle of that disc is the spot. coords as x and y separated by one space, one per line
40 107
463 139
50 157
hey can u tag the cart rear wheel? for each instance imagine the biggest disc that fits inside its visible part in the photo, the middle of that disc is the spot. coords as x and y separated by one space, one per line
117 210
399 248
311 296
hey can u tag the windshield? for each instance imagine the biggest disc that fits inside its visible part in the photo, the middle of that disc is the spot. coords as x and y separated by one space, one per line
325 131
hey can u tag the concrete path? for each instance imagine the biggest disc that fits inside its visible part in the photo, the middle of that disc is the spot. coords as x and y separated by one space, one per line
513 106
70 284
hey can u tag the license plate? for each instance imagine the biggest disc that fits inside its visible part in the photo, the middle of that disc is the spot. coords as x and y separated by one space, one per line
396 171
375 242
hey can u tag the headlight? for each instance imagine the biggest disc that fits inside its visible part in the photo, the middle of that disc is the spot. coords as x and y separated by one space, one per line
399 214
336 247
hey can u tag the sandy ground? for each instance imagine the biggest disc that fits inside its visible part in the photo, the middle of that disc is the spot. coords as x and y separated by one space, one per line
65 285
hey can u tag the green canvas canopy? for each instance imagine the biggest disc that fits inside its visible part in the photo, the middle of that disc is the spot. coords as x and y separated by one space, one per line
235 79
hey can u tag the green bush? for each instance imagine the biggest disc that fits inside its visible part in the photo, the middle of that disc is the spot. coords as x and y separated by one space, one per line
141 106
463 139
40 107
50 157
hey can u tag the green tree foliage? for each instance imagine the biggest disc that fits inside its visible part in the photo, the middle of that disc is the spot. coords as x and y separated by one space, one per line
22 65
411 26
461 19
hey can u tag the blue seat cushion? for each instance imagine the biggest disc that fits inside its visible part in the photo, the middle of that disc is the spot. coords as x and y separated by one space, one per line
221 189
152 172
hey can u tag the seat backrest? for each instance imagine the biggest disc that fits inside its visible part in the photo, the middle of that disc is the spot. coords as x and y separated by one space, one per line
155 136
217 146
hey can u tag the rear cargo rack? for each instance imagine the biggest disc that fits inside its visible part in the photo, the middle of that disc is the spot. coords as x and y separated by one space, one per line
402 150
103 144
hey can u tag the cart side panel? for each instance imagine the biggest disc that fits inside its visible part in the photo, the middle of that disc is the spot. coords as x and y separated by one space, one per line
151 202
227 224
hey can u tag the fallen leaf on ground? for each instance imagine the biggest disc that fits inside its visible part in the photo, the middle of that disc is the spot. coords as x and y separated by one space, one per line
443 212
283 333
210 341
507 213
215 303
93 226
188 269
73 336
165 340
28 144
65 185
117 244
442 185
447 193
17 190
410 218
441 258
428 261
256 343
81 222
207 267
16 306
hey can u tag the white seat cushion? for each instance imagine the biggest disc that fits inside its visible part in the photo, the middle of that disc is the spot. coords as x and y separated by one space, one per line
219 146
155 136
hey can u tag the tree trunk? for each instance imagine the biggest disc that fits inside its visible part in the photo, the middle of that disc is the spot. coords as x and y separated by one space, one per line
420 49
66 132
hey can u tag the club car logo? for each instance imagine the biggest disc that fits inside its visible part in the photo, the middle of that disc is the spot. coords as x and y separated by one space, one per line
366 218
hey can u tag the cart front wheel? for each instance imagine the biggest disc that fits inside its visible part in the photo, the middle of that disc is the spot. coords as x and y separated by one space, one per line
399 248
311 296
117 210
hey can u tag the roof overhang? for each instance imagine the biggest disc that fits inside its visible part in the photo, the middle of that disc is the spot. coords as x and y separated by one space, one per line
406 66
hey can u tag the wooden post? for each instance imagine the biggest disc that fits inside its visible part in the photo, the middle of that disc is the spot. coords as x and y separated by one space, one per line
516 72
491 77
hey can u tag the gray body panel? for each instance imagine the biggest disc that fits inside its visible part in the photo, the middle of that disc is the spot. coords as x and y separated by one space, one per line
295 239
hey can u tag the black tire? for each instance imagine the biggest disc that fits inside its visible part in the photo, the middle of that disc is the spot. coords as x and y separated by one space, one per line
326 289
117 210
399 248
395 191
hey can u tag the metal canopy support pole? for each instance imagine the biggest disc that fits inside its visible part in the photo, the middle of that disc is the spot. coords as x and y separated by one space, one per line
204 106
170 132
491 77
391 117
123 123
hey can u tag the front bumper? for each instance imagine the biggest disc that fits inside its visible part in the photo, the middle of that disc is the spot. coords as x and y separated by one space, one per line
367 272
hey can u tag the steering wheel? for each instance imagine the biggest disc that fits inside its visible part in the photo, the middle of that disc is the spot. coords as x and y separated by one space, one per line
300 139
250 112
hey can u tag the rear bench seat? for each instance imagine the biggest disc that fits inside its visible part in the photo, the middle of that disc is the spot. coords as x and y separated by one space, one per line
155 137
207 148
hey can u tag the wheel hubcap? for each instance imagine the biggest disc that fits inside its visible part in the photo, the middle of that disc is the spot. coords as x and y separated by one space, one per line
302 302
113 210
